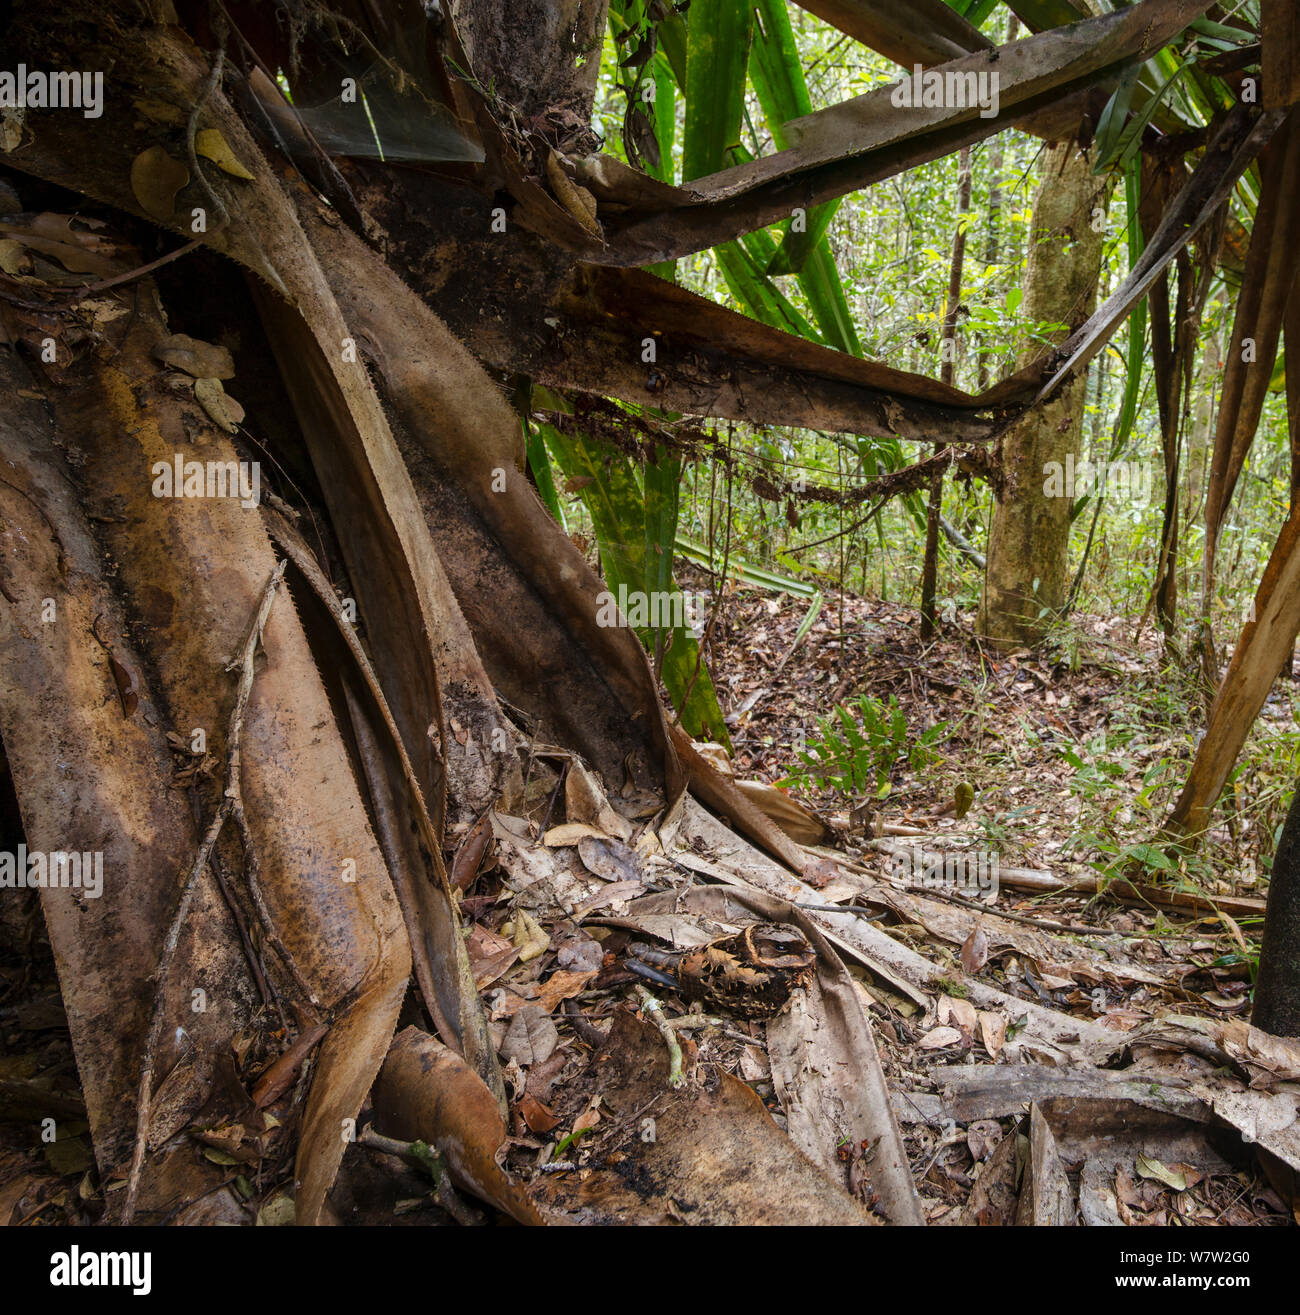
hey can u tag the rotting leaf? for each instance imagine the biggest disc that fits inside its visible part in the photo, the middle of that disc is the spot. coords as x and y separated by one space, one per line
156 179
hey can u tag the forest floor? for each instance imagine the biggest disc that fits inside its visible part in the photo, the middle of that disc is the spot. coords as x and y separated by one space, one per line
1073 759
1050 1068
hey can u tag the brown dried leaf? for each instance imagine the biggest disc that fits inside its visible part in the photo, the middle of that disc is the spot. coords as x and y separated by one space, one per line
562 986
540 1118
975 950
155 179
201 360
993 1032
939 1037
531 1037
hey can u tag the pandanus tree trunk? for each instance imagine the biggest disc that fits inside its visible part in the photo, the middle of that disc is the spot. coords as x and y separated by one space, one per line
269 714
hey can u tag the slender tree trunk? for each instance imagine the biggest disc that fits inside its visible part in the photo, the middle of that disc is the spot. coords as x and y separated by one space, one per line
947 369
1199 436
993 222
1026 579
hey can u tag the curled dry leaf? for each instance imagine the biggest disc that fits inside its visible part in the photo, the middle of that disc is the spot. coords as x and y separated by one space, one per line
585 801
221 408
429 1093
801 825
211 145
200 360
1266 1058
155 179
575 198
975 949
280 1076
528 937
715 755
569 833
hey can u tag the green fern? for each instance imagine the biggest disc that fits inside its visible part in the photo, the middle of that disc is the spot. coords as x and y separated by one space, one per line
857 748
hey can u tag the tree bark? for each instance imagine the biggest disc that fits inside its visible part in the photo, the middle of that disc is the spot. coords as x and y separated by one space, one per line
1026 579
1277 988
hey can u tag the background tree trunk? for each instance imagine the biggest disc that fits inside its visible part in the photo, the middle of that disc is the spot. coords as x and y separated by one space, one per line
1025 580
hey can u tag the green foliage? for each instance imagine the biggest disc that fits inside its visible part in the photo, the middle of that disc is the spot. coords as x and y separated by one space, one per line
868 275
859 745
636 524
717 56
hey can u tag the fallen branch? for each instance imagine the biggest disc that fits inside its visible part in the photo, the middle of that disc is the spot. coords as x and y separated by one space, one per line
1127 892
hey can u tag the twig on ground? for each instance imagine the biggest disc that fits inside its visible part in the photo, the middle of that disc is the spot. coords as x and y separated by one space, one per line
588 1031
871 915
425 1157
656 1012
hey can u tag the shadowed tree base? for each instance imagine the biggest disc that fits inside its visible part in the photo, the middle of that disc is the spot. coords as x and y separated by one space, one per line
1277 991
